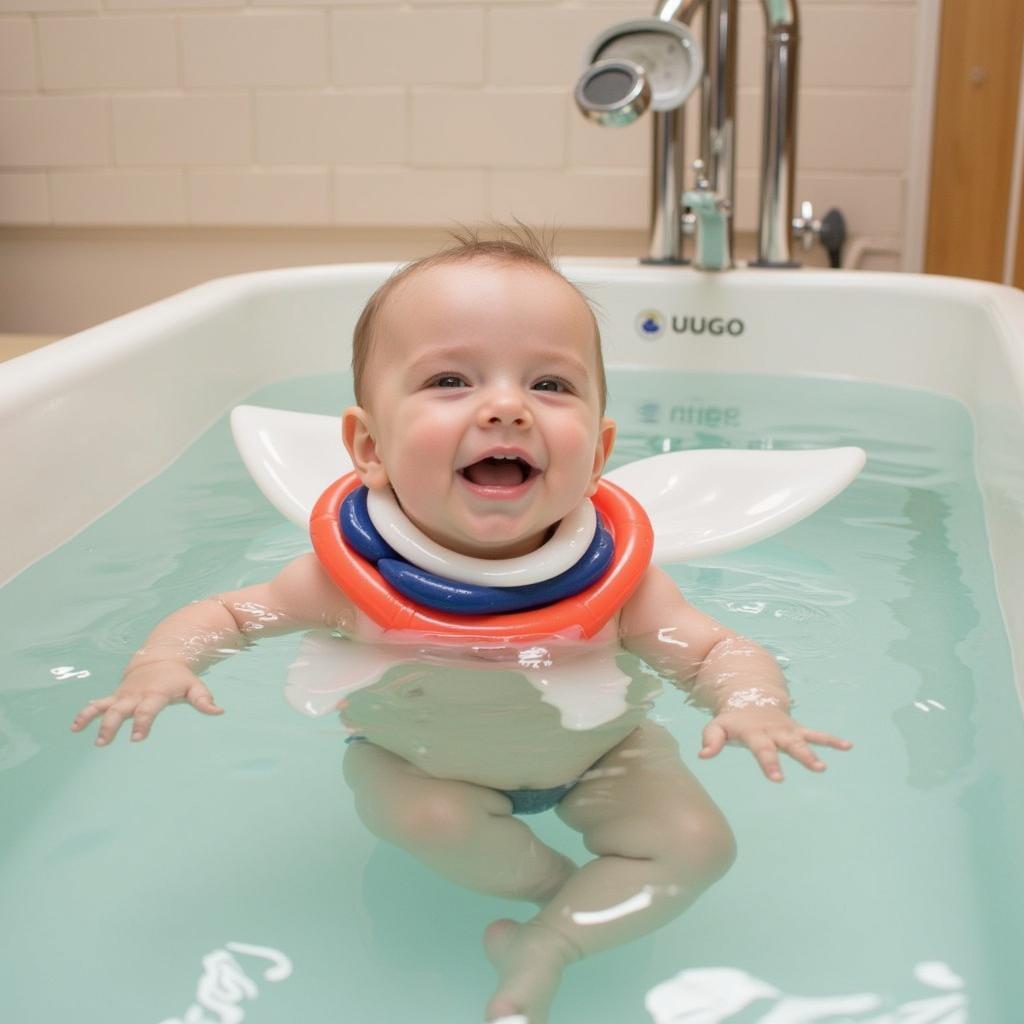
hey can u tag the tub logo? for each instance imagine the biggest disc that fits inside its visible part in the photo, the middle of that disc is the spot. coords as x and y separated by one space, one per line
651 323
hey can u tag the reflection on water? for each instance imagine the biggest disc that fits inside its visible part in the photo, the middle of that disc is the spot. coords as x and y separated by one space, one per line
809 601
224 984
881 605
510 717
938 616
714 995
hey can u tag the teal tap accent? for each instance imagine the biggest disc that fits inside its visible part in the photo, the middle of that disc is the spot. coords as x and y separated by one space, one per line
712 241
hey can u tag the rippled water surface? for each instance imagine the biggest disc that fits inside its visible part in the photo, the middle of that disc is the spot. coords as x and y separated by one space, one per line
219 870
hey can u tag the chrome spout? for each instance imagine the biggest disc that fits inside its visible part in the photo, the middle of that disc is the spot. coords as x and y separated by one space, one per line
778 141
718 106
718 127
613 92
661 53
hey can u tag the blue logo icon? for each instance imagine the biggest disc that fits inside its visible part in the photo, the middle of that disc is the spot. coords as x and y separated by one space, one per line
650 324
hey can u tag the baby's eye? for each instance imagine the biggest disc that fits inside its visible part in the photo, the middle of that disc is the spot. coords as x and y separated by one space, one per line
553 384
448 380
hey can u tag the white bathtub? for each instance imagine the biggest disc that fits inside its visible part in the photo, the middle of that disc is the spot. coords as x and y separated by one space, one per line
147 384
86 421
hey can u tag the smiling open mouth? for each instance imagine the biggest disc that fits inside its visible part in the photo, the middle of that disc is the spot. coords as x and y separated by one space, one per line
498 471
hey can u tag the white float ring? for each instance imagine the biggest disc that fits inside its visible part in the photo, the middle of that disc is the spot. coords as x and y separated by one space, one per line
562 551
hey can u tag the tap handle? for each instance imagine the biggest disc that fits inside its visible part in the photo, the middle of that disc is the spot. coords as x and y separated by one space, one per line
703 195
806 227
701 183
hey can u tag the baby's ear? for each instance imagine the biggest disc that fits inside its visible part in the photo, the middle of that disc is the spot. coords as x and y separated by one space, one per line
602 452
357 432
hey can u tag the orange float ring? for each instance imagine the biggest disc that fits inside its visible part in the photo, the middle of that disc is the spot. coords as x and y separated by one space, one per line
579 617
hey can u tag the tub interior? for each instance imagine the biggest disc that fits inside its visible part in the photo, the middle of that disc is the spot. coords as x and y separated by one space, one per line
226 850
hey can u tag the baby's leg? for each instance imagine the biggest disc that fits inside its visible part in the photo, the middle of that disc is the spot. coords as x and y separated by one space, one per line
660 842
464 832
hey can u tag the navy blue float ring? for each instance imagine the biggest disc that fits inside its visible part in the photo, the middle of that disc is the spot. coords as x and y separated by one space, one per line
442 594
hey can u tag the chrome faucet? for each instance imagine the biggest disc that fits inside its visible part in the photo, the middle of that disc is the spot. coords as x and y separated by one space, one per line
616 95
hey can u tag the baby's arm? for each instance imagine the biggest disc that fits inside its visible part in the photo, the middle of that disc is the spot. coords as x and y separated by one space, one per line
740 682
165 670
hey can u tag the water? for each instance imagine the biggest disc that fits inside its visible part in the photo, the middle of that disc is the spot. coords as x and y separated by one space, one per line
891 876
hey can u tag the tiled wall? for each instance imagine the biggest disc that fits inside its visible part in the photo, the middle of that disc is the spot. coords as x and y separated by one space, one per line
381 114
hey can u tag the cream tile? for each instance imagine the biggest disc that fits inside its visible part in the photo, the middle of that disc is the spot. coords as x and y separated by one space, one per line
17 55
171 5
837 131
748 130
826 3
24 199
408 198
408 47
258 197
546 47
747 188
108 53
882 262
54 131
633 8
591 145
255 48
865 45
38 6
332 128
750 41
871 205
572 199
854 131
118 197
491 128
870 46
182 129
476 3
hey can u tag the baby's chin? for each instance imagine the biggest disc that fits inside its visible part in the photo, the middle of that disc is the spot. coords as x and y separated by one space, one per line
493 537
496 548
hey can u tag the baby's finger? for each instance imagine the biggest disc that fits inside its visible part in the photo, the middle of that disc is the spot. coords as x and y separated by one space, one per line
800 751
148 709
112 719
767 757
202 700
91 710
824 739
714 738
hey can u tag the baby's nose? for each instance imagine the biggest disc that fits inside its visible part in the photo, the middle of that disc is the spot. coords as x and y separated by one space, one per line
505 406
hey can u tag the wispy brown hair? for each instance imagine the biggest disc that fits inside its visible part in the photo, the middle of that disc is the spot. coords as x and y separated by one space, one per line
518 245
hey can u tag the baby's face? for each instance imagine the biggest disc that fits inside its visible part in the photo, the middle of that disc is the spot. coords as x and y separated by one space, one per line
482 408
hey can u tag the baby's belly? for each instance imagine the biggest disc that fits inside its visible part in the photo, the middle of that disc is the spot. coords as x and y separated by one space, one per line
488 727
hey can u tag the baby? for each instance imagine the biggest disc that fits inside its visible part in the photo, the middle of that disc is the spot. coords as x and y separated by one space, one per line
481 396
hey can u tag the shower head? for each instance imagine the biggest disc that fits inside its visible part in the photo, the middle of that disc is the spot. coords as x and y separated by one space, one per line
613 92
643 56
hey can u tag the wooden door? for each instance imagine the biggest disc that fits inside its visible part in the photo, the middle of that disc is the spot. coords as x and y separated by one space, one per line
976 95
1018 263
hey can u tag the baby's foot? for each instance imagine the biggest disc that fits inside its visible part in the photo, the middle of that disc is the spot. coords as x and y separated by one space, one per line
530 959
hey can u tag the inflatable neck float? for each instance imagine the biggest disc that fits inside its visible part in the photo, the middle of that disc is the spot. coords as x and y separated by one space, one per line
669 508
580 578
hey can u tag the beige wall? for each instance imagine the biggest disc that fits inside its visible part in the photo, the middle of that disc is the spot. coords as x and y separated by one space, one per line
153 141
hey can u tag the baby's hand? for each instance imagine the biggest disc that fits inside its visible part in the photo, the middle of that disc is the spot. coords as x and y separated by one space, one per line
144 692
766 731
